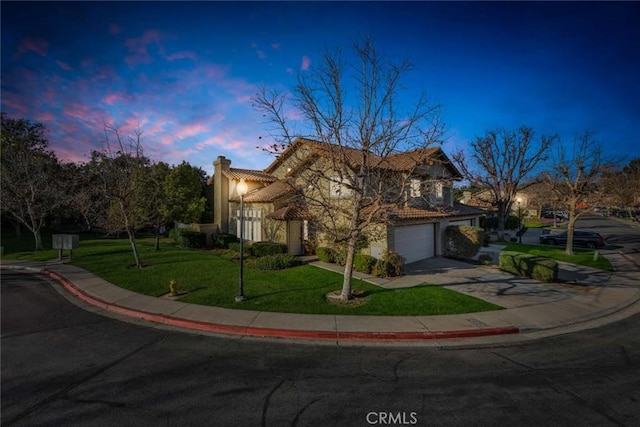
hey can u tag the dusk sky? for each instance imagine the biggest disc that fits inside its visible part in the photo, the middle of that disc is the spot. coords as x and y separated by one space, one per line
186 71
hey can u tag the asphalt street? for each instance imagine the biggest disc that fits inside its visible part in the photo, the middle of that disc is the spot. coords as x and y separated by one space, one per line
64 365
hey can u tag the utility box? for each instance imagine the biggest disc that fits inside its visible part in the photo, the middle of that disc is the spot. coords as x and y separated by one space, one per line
65 241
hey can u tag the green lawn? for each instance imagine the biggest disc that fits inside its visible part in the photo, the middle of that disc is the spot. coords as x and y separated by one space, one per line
580 256
212 280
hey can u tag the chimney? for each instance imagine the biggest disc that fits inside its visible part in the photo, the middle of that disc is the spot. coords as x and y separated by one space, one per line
221 194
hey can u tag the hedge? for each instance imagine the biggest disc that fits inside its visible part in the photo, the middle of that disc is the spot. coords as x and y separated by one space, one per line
364 263
463 241
533 266
222 240
274 262
261 249
188 238
325 254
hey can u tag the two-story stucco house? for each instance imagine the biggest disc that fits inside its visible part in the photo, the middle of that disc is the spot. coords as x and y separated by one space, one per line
277 207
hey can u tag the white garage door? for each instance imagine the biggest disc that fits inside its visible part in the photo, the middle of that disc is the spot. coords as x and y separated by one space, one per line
462 222
415 242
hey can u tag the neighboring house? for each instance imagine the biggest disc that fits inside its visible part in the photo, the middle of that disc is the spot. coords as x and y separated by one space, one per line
276 209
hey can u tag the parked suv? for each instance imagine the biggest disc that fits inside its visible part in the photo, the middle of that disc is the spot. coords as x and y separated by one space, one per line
588 239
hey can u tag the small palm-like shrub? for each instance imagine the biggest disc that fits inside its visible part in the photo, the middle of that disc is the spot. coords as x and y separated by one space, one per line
390 265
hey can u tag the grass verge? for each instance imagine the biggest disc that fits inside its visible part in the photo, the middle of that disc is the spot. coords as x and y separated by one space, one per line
212 280
580 256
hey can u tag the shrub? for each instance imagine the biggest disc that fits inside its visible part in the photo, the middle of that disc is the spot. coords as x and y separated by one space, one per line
228 254
485 259
390 265
235 246
533 266
512 223
340 256
187 238
275 262
261 249
325 254
222 240
463 241
364 263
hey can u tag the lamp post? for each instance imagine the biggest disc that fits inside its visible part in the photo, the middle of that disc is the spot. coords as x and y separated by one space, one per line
241 188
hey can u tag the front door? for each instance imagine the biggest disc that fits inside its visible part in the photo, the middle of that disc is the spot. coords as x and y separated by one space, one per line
295 237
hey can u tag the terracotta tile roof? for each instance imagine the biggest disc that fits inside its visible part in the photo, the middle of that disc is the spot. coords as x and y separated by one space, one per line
269 193
415 213
403 161
248 175
290 213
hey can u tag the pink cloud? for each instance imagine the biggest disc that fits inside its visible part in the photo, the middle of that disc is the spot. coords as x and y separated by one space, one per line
306 63
113 98
30 44
182 55
191 130
138 53
275 46
44 117
64 65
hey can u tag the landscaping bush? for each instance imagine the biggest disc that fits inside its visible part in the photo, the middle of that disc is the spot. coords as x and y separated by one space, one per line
261 249
187 238
222 240
228 254
512 223
533 266
325 254
485 259
248 248
340 256
463 241
364 263
390 265
274 262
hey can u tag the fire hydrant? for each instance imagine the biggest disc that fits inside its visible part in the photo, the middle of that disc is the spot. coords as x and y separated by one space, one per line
173 288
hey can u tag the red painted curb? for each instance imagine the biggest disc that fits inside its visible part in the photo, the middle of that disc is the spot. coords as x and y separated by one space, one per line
271 332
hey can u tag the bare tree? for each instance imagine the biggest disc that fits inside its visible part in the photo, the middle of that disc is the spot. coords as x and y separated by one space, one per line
29 175
575 179
121 168
357 119
502 163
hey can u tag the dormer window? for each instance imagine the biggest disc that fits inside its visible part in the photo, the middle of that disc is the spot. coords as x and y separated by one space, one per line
439 190
414 188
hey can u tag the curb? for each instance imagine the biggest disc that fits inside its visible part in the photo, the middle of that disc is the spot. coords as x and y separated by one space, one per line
269 332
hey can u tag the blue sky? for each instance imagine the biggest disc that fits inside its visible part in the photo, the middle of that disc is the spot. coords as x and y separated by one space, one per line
186 71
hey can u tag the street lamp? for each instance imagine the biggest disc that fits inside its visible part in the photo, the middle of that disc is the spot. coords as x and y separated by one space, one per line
241 188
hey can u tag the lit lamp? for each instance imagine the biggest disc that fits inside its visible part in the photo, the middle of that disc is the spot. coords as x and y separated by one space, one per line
241 188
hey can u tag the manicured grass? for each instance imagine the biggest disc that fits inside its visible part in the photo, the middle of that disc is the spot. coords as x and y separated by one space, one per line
212 280
580 256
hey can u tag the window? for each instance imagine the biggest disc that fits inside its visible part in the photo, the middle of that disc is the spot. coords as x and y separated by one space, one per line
414 188
439 190
338 189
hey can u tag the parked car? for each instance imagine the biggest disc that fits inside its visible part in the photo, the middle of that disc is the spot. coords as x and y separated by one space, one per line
588 239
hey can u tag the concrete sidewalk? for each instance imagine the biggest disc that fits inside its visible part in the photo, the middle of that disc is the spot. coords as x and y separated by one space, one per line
588 298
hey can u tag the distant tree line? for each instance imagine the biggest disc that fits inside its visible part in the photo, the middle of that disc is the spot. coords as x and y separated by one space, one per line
118 190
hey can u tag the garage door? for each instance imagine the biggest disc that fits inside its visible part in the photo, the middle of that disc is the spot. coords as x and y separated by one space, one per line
415 242
461 222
